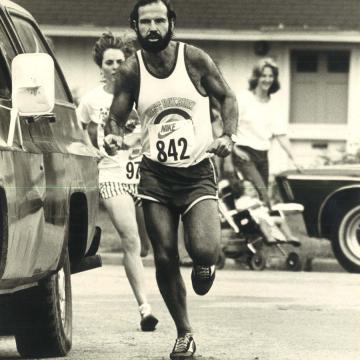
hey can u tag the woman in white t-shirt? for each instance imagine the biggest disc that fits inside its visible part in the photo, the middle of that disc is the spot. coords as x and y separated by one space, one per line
118 174
258 125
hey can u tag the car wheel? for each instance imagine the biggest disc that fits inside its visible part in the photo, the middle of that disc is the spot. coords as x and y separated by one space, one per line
257 262
346 240
44 316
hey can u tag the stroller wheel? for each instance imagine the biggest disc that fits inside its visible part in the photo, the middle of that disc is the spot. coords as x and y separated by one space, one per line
293 262
220 263
257 262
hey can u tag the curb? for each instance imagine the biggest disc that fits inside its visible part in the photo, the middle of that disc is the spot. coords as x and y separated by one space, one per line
324 265
312 265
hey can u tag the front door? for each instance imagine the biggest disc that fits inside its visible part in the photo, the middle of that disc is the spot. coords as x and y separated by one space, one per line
319 87
319 104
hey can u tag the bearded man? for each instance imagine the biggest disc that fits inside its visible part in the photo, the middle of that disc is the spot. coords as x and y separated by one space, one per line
171 84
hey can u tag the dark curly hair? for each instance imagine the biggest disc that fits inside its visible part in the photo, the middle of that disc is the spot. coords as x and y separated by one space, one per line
134 15
258 70
109 41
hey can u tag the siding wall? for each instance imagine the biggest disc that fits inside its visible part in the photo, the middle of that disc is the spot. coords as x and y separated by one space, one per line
74 55
353 133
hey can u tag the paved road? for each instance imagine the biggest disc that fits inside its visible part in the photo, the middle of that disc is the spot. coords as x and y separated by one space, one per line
270 315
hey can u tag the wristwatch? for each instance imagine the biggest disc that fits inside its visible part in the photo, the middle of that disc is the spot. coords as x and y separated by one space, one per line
232 137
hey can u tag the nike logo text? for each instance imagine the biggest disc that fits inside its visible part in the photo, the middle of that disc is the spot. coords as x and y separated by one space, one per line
135 154
166 130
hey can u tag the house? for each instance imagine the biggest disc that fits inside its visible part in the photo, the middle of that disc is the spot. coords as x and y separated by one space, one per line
316 44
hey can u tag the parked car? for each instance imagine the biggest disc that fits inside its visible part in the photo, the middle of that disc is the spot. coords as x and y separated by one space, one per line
48 191
331 200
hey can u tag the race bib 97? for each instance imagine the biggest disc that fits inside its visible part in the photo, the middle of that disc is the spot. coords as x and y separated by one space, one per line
131 171
123 167
171 142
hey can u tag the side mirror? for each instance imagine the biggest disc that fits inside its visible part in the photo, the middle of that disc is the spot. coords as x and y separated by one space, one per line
33 84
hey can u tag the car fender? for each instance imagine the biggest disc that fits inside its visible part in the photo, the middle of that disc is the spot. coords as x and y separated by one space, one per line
326 211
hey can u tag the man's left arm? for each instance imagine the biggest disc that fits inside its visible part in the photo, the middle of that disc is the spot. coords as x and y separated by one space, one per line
215 86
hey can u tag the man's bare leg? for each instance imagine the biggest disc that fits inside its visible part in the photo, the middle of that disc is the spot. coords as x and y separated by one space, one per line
202 240
161 225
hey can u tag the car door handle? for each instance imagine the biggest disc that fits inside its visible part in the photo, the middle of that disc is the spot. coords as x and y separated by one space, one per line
49 117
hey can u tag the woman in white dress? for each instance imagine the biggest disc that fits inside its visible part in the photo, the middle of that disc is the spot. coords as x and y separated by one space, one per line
258 125
118 174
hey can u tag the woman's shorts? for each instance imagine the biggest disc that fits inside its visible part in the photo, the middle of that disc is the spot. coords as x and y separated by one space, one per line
111 189
179 188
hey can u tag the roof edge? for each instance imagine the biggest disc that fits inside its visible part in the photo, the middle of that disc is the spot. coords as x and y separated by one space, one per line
219 35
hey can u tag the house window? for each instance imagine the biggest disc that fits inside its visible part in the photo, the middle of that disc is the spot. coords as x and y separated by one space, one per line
338 62
306 62
319 87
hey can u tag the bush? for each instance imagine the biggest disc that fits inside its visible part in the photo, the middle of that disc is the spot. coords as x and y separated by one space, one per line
344 158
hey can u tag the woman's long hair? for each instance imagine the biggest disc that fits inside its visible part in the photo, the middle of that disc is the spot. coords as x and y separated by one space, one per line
257 72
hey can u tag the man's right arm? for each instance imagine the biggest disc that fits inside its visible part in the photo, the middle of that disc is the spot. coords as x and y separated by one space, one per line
125 92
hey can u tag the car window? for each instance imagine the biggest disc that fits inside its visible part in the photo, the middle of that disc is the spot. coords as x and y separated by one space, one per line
7 53
5 87
33 43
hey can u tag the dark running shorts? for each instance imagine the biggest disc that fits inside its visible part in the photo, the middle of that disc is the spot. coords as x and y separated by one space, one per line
179 188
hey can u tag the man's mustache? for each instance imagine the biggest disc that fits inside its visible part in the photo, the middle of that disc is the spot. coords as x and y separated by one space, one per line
153 35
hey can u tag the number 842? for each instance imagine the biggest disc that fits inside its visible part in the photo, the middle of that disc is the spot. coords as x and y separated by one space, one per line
173 150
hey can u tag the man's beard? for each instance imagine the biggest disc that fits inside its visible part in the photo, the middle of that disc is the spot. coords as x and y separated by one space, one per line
156 46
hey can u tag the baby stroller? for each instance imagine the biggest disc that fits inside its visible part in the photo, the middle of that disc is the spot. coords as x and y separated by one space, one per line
254 226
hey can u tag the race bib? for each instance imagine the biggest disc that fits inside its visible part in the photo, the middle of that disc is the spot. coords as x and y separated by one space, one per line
172 142
123 167
131 171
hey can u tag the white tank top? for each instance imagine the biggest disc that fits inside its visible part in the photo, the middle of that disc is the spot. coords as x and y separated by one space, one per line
122 167
175 117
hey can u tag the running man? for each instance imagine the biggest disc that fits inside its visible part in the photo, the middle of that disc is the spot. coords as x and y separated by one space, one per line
171 84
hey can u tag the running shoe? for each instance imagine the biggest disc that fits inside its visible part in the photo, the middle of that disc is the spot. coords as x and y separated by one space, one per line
148 320
184 348
202 278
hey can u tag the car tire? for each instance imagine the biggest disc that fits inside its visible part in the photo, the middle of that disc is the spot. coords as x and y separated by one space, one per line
44 316
346 239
